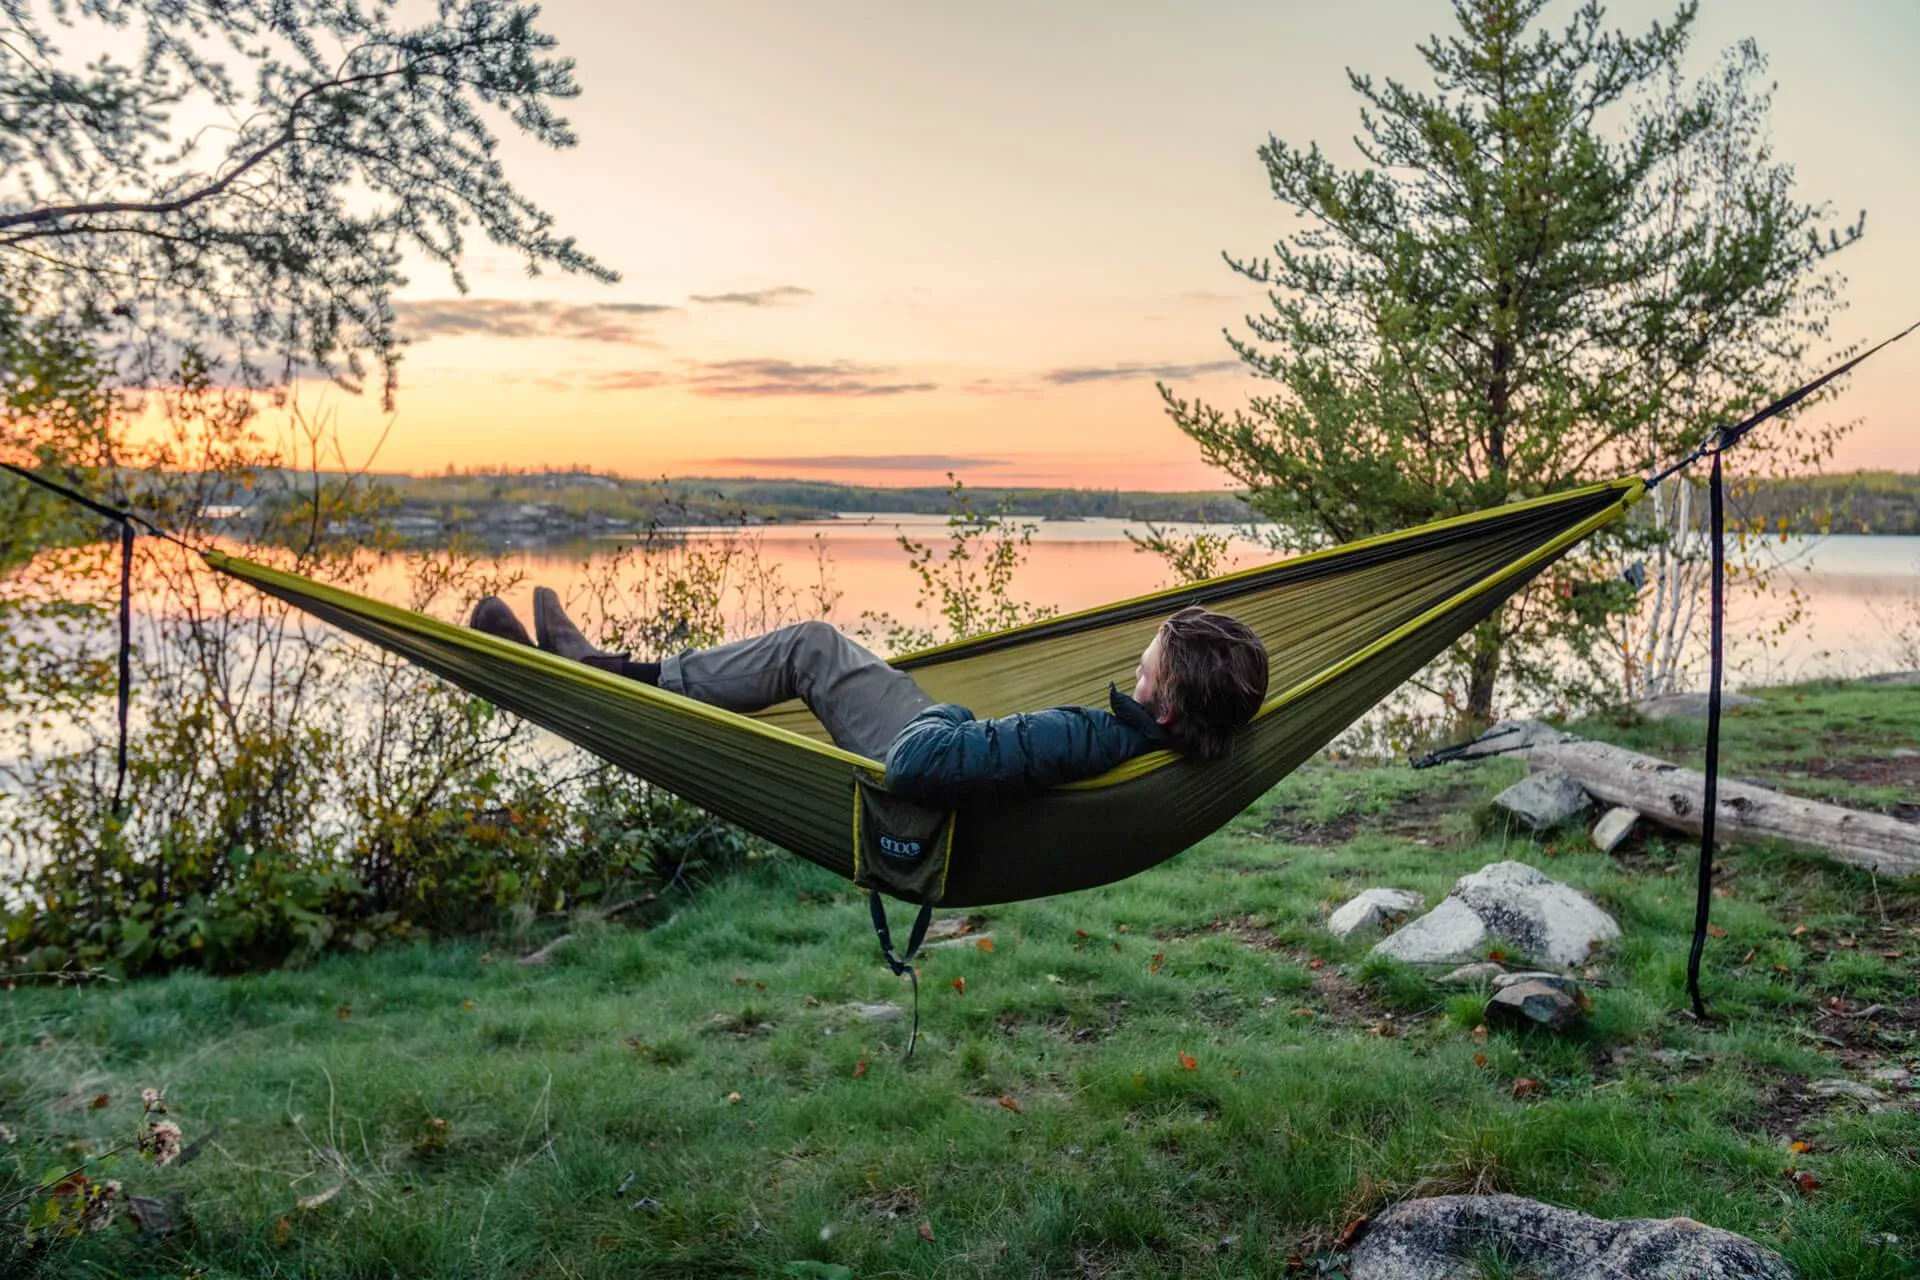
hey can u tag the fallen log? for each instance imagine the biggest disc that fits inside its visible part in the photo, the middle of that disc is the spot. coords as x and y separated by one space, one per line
1676 797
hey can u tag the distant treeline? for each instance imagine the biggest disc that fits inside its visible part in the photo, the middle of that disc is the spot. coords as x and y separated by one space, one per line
1051 504
1886 502
523 506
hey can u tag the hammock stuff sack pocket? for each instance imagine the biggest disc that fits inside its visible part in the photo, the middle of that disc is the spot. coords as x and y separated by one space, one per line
903 850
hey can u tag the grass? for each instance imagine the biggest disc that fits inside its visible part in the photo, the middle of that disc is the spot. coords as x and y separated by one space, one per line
1178 1075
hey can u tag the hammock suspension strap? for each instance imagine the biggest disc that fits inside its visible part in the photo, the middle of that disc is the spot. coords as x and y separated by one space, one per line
902 965
123 685
1703 898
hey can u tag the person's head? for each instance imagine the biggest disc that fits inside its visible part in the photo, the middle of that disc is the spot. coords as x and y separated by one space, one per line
1202 677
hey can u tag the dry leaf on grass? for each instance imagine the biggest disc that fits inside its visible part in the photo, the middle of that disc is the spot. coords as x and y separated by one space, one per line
1006 1100
1188 1061
319 1198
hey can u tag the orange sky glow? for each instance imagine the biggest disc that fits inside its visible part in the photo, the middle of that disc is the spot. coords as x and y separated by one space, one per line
876 242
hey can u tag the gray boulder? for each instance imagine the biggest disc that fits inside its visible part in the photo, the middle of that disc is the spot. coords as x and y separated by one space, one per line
1448 934
1547 920
1448 1237
1370 910
1545 800
1691 706
1615 825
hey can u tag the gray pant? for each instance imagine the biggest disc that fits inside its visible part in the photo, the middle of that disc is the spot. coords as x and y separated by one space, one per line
861 700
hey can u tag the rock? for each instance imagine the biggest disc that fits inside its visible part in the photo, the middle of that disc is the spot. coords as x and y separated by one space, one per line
1691 706
876 1012
1469 974
1840 1087
1530 1002
1511 736
1896 1077
1615 825
1547 920
1904 753
1545 800
1447 1238
1448 934
1558 981
1370 910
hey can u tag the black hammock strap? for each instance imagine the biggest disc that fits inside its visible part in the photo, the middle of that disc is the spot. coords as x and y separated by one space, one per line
123 687
902 965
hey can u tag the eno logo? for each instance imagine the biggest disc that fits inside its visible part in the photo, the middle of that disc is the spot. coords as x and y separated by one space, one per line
899 848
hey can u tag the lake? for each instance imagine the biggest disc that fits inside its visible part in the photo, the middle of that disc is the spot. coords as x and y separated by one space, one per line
1859 591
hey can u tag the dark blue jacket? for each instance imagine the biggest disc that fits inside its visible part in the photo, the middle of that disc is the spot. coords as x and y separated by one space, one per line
945 758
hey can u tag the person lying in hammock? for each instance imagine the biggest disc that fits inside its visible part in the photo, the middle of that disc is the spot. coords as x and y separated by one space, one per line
1201 678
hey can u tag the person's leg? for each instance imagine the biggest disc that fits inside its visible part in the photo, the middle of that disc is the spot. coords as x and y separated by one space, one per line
861 700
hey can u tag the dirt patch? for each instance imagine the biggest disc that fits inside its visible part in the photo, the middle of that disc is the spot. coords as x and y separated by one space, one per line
1420 816
1786 1108
1284 825
1253 934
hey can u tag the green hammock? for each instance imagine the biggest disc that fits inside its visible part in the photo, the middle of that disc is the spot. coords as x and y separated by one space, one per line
1343 628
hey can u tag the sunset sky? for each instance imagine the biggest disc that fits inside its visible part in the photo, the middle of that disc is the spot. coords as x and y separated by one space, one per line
877 241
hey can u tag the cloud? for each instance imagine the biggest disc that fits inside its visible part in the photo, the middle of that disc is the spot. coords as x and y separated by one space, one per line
785 378
618 322
627 380
1113 372
754 298
865 462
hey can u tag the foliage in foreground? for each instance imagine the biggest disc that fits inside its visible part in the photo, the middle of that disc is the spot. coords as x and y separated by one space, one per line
1178 1075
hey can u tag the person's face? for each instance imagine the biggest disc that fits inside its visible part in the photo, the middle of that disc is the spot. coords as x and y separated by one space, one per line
1146 689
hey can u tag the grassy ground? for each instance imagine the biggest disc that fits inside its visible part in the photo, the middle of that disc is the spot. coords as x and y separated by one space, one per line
1179 1075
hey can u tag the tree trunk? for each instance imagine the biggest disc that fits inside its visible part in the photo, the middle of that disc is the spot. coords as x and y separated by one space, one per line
1676 797
1483 670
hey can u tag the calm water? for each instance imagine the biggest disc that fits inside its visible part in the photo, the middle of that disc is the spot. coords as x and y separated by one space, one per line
1858 592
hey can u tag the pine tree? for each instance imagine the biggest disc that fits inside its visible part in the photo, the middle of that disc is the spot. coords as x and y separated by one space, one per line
1561 263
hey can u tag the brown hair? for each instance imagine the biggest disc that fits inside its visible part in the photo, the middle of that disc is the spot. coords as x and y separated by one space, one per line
1214 672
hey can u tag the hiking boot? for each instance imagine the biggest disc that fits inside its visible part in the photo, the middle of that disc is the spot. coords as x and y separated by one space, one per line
558 634
494 617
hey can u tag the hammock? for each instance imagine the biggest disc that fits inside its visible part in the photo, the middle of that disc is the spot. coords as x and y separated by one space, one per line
1343 628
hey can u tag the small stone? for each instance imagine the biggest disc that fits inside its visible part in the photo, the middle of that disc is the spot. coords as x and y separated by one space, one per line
1532 1003
1558 981
1449 934
1614 826
1840 1087
1545 800
1905 753
1691 706
1469 974
1371 910
877 1012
